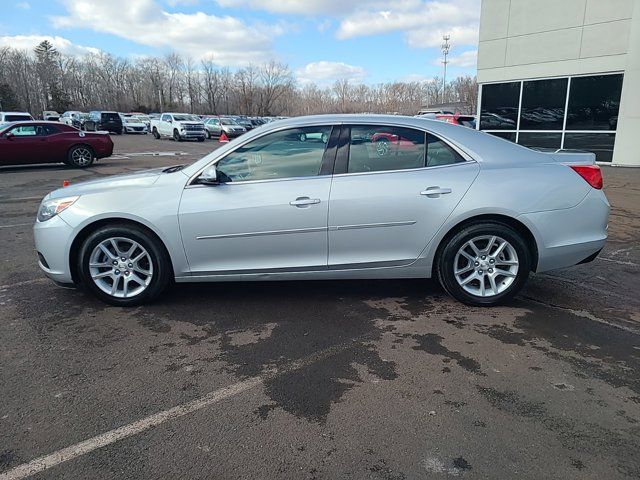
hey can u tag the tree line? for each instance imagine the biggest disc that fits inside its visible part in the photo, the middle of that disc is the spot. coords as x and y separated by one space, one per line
45 79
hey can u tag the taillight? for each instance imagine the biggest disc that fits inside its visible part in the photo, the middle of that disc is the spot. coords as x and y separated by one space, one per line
591 174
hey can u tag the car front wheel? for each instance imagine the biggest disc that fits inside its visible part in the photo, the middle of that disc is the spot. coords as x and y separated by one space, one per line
123 265
484 264
176 136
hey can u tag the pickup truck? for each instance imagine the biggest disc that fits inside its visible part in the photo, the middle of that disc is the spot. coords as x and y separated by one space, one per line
179 126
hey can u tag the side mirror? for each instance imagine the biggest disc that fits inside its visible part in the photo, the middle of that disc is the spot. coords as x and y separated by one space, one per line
209 176
9 136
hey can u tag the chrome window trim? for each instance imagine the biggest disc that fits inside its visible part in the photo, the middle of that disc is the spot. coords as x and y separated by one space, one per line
268 180
382 172
468 158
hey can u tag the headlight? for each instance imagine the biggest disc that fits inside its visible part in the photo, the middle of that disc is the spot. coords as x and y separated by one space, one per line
50 208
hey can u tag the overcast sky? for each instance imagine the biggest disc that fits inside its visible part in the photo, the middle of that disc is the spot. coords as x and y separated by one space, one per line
367 41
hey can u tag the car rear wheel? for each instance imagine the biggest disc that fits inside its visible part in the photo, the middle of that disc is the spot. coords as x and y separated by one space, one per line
484 264
207 133
80 156
155 133
123 265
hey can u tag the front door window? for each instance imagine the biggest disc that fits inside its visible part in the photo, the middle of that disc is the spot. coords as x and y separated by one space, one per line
292 153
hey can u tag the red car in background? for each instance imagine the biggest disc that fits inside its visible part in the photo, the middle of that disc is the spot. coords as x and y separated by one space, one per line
457 119
51 142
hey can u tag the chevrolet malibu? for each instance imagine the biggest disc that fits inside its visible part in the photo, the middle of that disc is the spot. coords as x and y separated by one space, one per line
474 211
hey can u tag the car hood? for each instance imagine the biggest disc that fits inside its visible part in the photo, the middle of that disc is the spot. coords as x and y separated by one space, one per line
141 179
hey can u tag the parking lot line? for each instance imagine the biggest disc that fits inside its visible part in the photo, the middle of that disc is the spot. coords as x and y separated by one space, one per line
46 462
16 225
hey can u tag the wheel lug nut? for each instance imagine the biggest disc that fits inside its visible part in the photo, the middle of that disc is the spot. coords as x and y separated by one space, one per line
122 258
491 270
126 272
483 257
492 261
480 272
117 272
477 263
131 265
115 262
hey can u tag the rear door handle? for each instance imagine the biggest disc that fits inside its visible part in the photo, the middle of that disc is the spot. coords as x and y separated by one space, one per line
304 202
434 192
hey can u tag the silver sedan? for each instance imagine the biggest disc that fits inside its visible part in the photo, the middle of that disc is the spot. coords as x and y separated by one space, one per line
364 196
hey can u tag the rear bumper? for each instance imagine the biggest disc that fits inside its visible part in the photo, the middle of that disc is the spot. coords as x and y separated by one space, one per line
570 236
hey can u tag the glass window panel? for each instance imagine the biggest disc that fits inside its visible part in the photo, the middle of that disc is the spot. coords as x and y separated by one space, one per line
540 140
376 148
290 153
543 104
499 109
440 153
594 102
511 136
599 143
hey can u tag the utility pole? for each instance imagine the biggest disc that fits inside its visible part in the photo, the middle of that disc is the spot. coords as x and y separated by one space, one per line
445 51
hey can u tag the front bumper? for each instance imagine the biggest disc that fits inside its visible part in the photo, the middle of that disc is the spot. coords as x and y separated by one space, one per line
52 239
192 133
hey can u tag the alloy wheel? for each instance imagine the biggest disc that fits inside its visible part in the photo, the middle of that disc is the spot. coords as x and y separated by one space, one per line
121 267
82 156
486 266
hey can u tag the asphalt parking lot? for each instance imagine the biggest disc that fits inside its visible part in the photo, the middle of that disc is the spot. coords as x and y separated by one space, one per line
361 379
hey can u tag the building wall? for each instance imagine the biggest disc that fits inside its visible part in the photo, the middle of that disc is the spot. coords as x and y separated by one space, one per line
530 39
546 38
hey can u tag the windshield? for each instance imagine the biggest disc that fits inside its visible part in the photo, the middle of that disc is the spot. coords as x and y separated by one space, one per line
186 118
17 118
227 121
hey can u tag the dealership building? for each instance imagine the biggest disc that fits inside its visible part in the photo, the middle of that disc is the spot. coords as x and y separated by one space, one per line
562 74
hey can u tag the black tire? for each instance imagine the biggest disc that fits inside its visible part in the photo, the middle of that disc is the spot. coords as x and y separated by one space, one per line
208 134
445 262
155 133
176 136
162 275
78 156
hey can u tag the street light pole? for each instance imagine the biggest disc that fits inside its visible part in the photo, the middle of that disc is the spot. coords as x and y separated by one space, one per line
445 52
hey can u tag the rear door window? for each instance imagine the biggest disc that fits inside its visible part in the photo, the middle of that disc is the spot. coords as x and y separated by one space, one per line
377 148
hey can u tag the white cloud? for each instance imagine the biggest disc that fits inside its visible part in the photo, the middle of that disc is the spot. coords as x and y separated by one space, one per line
417 77
465 59
302 7
29 42
227 40
423 22
325 73
23 5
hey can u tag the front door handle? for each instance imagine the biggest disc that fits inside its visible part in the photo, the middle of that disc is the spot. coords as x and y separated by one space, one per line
304 202
435 192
